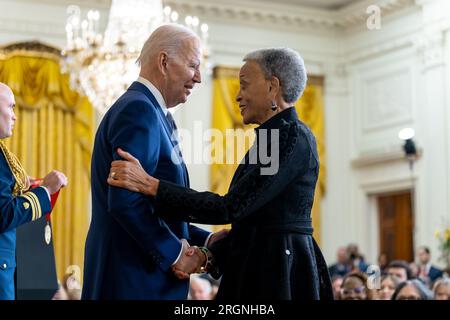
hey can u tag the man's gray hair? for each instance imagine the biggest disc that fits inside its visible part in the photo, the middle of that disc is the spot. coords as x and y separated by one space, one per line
285 64
167 38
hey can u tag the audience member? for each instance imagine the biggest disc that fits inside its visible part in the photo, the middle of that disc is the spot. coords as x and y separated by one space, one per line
69 288
400 269
356 259
388 284
336 284
427 272
341 267
354 287
441 289
382 262
200 288
412 290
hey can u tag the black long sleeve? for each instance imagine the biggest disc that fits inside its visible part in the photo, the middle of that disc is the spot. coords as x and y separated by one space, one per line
252 191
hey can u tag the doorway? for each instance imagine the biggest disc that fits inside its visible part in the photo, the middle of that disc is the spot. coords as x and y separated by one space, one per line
396 221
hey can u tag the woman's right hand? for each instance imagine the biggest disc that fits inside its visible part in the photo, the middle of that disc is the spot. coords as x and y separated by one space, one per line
130 175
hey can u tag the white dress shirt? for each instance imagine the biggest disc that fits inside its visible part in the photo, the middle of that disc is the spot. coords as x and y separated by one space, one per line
156 93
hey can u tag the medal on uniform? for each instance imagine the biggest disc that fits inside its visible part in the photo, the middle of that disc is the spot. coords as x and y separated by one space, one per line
47 230
53 197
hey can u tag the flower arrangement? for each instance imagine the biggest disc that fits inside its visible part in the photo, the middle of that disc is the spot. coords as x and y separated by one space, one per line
443 237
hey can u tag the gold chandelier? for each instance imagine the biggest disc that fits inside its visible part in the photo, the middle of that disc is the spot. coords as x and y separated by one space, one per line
102 66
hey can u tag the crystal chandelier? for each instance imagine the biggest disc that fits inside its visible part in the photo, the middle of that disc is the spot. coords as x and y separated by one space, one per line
103 66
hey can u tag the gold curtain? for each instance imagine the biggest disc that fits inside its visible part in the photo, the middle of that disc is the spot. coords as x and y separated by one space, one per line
54 130
226 115
310 110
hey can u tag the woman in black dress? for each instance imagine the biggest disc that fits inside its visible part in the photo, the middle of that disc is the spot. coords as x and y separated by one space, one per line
270 252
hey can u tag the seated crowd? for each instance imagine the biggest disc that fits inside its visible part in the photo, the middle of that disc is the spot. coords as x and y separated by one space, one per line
354 279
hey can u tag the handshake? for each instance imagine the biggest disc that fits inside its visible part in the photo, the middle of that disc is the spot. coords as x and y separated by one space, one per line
194 259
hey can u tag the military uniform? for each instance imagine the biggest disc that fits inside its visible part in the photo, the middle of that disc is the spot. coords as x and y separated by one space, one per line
17 206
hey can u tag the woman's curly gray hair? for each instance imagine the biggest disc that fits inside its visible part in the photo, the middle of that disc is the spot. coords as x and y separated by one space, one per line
285 64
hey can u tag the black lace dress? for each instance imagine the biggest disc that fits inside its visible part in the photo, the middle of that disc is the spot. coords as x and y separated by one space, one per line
270 252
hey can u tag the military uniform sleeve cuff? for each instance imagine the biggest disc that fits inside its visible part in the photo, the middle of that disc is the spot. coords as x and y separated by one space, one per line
179 255
39 201
48 192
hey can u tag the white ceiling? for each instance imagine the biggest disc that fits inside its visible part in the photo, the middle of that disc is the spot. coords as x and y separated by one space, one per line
320 4
317 4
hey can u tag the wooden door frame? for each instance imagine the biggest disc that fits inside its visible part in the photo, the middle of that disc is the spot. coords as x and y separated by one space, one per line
371 191
394 196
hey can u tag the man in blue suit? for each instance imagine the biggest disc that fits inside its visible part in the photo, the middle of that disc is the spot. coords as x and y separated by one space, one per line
18 204
427 272
131 251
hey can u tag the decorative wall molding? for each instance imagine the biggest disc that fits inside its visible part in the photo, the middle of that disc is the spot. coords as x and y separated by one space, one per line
246 12
98 4
379 49
280 15
356 13
386 99
375 159
47 24
336 80
436 22
388 185
432 50
430 44
383 101
40 28
275 12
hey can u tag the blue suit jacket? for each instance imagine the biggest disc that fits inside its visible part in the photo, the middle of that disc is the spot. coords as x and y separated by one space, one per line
15 211
129 247
434 273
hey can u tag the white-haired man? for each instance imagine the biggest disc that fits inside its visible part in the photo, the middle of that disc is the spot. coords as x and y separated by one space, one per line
200 288
131 251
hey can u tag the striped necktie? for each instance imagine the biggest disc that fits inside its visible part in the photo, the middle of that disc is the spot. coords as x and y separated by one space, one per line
173 133
174 138
171 121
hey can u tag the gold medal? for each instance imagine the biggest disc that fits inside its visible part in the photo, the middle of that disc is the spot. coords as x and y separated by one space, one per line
47 233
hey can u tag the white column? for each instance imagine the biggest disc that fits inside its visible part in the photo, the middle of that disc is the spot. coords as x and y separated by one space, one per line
433 186
338 229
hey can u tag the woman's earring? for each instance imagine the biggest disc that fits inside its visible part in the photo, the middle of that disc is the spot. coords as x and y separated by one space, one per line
274 106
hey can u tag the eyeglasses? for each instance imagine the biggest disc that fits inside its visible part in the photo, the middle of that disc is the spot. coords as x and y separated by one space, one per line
354 290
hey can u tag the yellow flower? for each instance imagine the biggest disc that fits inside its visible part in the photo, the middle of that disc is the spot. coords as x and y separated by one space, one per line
437 233
447 234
